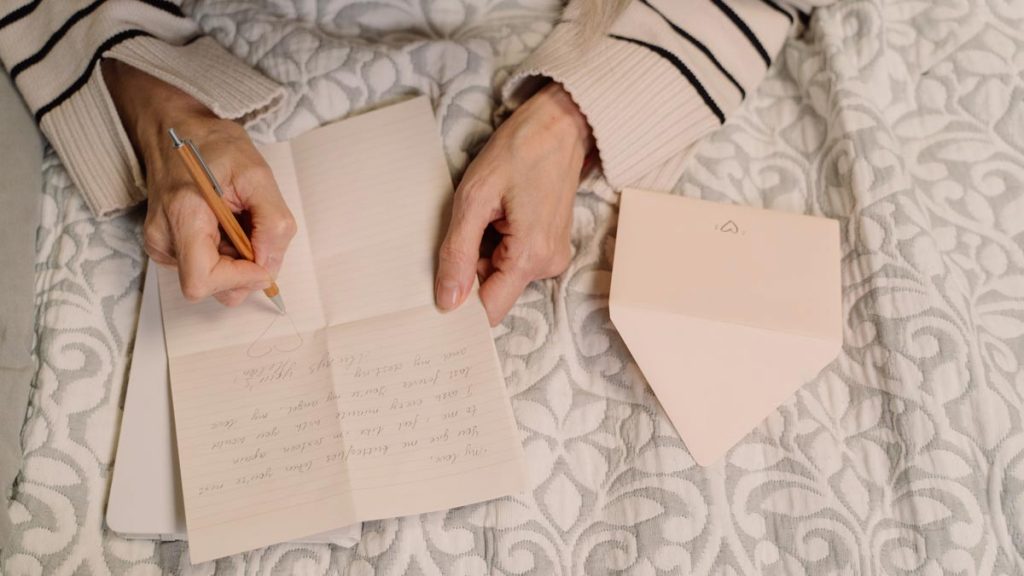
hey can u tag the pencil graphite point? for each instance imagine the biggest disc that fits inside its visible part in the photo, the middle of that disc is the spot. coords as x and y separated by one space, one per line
279 302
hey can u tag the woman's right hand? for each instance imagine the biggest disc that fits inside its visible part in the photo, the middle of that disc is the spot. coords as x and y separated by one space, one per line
180 229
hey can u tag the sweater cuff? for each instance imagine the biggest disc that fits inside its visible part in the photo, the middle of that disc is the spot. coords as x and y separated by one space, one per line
86 131
228 86
642 111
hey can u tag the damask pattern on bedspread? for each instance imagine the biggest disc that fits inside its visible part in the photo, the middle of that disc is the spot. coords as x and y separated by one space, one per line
901 118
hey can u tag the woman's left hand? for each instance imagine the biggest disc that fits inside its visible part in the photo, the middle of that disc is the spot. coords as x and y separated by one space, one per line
523 183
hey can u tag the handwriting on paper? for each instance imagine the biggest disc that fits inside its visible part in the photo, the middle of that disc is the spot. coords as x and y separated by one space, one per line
426 392
373 412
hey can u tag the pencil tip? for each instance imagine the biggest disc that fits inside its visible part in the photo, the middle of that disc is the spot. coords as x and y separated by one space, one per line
279 302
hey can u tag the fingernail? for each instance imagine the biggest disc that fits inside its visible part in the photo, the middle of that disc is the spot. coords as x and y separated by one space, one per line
447 294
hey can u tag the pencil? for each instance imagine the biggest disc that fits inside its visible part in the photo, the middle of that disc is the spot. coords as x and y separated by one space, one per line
212 193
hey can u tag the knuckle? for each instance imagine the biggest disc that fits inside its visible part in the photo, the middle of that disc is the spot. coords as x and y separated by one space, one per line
521 260
259 172
545 258
153 230
161 258
286 227
157 245
252 174
560 257
559 261
153 241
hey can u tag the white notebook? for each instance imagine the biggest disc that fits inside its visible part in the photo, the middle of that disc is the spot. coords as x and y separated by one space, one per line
364 401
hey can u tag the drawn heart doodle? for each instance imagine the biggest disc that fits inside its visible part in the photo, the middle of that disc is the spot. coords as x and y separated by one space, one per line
265 344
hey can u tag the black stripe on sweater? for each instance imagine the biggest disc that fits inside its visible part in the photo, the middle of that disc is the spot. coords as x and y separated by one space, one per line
166 6
774 6
742 26
84 78
686 72
75 18
19 13
54 39
698 45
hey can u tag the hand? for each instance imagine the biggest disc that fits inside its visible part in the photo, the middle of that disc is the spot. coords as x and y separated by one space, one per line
180 228
523 184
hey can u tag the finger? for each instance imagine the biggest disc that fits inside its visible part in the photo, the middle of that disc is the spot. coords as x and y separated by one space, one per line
201 279
500 292
474 208
232 298
202 269
227 248
513 267
484 269
273 225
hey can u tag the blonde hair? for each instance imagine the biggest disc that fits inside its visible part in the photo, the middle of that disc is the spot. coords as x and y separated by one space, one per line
595 17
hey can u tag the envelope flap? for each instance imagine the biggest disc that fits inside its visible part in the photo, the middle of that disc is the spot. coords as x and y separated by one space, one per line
717 381
728 263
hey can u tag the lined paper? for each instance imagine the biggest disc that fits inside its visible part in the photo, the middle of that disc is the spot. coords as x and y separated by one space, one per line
364 402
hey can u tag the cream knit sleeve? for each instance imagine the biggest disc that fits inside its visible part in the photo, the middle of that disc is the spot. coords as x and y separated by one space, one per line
665 74
52 51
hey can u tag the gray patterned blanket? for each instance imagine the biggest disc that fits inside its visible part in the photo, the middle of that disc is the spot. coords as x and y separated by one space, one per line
903 119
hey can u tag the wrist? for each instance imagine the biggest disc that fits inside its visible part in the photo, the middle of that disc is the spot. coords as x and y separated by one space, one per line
567 118
552 120
148 106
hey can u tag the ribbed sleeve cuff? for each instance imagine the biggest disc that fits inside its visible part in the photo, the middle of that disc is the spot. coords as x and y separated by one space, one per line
228 86
86 131
642 111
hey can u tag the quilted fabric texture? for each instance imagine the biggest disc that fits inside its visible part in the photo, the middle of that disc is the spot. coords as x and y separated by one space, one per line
903 119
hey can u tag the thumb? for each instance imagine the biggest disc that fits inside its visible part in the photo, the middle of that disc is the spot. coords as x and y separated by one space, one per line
460 251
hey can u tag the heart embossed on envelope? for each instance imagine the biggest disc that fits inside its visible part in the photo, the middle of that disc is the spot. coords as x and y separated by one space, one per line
729 227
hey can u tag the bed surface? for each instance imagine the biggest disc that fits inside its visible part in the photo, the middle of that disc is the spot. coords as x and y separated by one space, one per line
903 119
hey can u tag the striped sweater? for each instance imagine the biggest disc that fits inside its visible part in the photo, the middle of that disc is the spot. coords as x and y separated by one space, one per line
666 73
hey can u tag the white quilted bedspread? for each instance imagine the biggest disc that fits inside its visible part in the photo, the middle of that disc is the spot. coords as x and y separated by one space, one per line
904 119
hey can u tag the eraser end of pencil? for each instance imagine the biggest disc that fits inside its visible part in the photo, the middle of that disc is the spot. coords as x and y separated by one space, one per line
279 302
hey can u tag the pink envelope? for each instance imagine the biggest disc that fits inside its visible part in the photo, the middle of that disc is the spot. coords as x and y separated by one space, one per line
726 309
